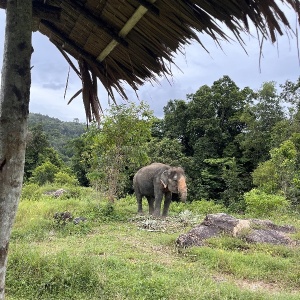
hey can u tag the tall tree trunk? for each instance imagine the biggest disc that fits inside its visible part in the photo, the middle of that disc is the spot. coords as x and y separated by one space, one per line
14 109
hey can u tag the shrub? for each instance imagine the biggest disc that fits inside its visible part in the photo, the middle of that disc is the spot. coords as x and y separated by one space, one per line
62 178
260 203
31 191
44 173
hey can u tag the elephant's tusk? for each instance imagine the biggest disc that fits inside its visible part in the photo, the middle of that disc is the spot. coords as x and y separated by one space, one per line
164 185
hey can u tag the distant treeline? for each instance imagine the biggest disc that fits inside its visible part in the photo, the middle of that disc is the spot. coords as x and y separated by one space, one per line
229 140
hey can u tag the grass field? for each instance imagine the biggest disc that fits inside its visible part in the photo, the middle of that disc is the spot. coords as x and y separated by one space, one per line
118 255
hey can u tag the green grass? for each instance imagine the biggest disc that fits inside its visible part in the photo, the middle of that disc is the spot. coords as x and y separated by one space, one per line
113 256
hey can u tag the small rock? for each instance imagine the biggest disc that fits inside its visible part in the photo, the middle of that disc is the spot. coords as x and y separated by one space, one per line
78 220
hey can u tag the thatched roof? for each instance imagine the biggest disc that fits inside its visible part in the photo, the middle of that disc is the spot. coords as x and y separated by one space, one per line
134 41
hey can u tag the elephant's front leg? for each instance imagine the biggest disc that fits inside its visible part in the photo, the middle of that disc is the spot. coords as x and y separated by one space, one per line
157 203
151 204
168 199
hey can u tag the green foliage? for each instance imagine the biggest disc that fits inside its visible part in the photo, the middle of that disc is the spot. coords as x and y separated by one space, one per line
280 173
63 178
58 132
55 276
260 118
264 177
80 161
44 173
207 126
31 191
220 135
39 151
166 150
37 142
118 147
226 177
198 207
259 203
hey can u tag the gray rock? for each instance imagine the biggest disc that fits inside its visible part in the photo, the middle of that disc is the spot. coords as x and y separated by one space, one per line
196 236
252 230
268 236
78 220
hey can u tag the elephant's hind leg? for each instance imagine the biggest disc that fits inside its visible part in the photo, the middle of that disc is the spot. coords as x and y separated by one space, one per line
139 199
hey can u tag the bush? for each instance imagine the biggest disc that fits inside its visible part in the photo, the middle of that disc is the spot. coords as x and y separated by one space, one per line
31 191
260 203
62 178
44 173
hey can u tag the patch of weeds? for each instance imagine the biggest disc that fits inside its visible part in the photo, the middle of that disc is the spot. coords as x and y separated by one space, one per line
77 192
34 276
105 212
31 191
198 207
252 266
70 228
279 251
296 237
36 230
228 243
127 206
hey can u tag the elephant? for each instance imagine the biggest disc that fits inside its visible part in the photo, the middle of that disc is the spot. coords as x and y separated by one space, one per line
155 181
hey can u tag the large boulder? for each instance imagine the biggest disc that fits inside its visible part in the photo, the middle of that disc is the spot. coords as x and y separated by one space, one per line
252 230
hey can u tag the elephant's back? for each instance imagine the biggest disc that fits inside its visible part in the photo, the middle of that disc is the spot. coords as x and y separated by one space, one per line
144 177
150 171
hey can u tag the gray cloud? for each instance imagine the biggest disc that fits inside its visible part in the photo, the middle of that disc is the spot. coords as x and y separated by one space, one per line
53 86
196 68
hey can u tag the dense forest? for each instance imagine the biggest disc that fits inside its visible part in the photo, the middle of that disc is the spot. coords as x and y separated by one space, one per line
234 144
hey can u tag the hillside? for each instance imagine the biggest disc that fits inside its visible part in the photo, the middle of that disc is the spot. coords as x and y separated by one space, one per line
59 132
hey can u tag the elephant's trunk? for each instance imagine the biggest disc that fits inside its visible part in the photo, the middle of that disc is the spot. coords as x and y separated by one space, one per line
182 189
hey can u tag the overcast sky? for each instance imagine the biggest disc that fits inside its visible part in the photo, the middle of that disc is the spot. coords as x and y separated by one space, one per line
49 74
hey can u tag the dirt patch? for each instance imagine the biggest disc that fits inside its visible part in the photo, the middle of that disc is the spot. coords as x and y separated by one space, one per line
268 287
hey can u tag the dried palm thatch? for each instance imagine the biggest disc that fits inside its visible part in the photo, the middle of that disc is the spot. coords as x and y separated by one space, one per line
134 41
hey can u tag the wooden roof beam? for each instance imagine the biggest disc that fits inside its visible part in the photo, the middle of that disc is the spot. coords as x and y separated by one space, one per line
132 21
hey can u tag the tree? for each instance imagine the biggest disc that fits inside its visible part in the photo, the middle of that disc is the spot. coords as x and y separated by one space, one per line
36 142
14 107
207 127
280 175
166 150
80 161
119 147
260 118
45 173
